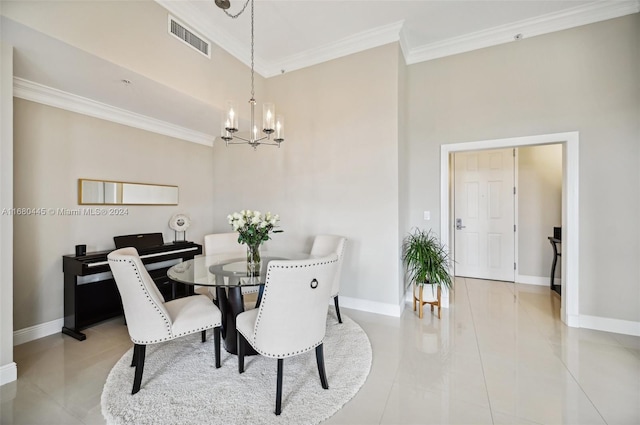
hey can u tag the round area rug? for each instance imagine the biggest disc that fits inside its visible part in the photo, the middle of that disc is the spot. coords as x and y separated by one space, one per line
181 385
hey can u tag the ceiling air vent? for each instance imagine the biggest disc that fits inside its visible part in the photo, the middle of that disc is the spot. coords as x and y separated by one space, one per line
189 37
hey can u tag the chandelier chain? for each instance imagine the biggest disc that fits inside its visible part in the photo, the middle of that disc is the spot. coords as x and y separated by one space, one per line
252 72
239 13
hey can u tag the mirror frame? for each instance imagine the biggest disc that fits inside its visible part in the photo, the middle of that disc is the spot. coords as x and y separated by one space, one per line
159 186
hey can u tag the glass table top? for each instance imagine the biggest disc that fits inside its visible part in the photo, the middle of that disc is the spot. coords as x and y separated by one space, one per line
227 269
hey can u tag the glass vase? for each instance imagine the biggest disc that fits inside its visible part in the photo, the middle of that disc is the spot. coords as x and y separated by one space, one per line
253 260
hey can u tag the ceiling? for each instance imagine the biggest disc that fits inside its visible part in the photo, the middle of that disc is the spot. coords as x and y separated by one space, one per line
294 34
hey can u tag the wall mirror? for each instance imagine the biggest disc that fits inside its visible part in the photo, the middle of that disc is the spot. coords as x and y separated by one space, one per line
104 192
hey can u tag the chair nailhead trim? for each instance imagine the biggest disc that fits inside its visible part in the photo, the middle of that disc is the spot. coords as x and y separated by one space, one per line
264 300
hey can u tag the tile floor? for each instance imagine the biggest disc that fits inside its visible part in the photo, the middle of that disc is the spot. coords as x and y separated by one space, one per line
499 355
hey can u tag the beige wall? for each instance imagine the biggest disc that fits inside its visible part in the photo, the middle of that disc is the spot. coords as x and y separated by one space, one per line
583 79
53 148
336 172
403 141
6 220
539 207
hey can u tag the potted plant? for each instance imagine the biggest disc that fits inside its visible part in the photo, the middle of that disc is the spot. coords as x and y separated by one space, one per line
427 264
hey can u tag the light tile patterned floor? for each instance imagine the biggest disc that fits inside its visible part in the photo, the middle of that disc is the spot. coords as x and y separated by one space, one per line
499 355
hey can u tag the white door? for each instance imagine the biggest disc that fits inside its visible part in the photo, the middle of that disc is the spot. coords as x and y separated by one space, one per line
484 214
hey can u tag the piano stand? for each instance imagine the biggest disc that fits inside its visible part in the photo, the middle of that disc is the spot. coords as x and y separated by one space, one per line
86 304
77 335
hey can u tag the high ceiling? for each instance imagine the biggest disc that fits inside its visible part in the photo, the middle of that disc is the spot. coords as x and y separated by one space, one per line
292 34
289 35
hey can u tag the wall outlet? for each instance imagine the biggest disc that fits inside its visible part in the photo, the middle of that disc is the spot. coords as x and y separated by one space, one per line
427 215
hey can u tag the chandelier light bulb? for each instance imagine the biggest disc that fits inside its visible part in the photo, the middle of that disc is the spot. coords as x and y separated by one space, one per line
268 117
279 129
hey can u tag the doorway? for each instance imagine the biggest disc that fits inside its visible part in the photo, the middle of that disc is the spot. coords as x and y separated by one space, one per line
569 311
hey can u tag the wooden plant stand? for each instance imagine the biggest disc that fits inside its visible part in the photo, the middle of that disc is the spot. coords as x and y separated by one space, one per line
419 300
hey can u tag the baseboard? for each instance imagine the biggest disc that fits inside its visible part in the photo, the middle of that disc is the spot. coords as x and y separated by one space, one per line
8 373
38 331
536 280
371 306
618 326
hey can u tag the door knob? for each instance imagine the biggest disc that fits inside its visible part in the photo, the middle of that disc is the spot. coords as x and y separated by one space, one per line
459 225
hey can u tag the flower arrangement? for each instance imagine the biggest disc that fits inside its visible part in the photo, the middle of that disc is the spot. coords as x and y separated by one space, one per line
253 227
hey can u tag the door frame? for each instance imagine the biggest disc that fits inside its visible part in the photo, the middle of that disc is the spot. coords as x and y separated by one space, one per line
569 310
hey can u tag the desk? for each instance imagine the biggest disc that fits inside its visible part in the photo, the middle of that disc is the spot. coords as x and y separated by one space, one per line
211 270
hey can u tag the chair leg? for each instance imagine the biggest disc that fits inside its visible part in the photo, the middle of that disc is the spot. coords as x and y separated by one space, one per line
241 344
259 299
216 342
321 371
335 302
137 380
204 335
134 358
279 387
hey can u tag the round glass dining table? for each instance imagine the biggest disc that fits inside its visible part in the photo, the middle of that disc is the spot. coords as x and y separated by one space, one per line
227 273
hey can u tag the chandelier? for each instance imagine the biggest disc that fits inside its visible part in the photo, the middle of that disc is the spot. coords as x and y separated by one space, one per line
272 124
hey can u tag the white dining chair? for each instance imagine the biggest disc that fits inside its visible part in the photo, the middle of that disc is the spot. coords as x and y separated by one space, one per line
331 244
226 243
292 316
151 320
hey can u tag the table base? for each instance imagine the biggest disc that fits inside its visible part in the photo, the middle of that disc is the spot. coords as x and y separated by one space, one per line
231 304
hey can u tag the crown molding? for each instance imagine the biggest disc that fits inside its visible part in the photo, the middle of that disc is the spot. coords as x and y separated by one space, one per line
558 21
193 17
35 92
353 44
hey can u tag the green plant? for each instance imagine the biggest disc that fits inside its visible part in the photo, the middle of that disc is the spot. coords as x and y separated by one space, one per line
426 259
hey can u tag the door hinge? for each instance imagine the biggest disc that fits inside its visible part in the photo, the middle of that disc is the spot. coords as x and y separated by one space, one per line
514 152
514 227
514 190
514 266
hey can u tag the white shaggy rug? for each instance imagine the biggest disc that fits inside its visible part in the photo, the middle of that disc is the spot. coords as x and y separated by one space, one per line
181 385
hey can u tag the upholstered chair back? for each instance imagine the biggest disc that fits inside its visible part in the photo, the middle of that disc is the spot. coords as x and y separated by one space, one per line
147 318
218 243
292 316
324 245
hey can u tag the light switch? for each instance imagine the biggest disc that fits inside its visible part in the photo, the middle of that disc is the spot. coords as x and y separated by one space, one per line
427 215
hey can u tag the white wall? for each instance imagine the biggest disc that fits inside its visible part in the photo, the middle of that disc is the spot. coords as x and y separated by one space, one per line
339 170
53 148
8 370
584 79
539 209
336 172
